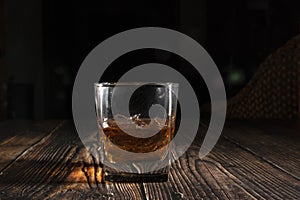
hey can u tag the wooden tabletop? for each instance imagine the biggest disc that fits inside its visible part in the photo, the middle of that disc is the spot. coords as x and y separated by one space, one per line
252 160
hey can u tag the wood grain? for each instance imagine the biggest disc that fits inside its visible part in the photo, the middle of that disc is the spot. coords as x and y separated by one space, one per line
57 166
228 172
17 136
266 142
45 170
259 178
192 178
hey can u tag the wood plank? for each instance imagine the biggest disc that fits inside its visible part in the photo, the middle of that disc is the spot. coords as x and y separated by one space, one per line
278 144
228 172
18 135
84 182
58 166
193 178
258 177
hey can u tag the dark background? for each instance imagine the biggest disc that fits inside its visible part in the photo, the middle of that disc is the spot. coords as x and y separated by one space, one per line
44 42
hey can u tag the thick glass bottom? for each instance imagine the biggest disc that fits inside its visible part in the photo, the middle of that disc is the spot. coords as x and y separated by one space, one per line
134 177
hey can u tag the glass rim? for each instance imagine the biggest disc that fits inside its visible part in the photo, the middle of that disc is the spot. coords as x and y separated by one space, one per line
110 84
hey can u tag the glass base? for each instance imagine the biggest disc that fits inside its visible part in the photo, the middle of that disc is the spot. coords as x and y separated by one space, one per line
133 177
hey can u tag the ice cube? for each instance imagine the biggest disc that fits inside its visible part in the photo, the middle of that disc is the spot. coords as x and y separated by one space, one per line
140 122
122 119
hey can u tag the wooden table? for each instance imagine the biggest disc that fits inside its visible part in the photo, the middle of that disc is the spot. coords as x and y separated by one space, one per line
253 159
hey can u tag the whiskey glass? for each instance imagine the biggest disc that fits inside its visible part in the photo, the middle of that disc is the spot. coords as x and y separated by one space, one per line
136 126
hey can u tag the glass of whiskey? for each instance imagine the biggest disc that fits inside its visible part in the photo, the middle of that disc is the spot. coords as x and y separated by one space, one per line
136 126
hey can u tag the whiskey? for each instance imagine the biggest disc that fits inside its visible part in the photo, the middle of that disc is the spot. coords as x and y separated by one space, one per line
138 145
113 136
136 148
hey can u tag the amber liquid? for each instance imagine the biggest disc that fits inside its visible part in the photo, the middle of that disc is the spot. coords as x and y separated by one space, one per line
136 144
114 138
